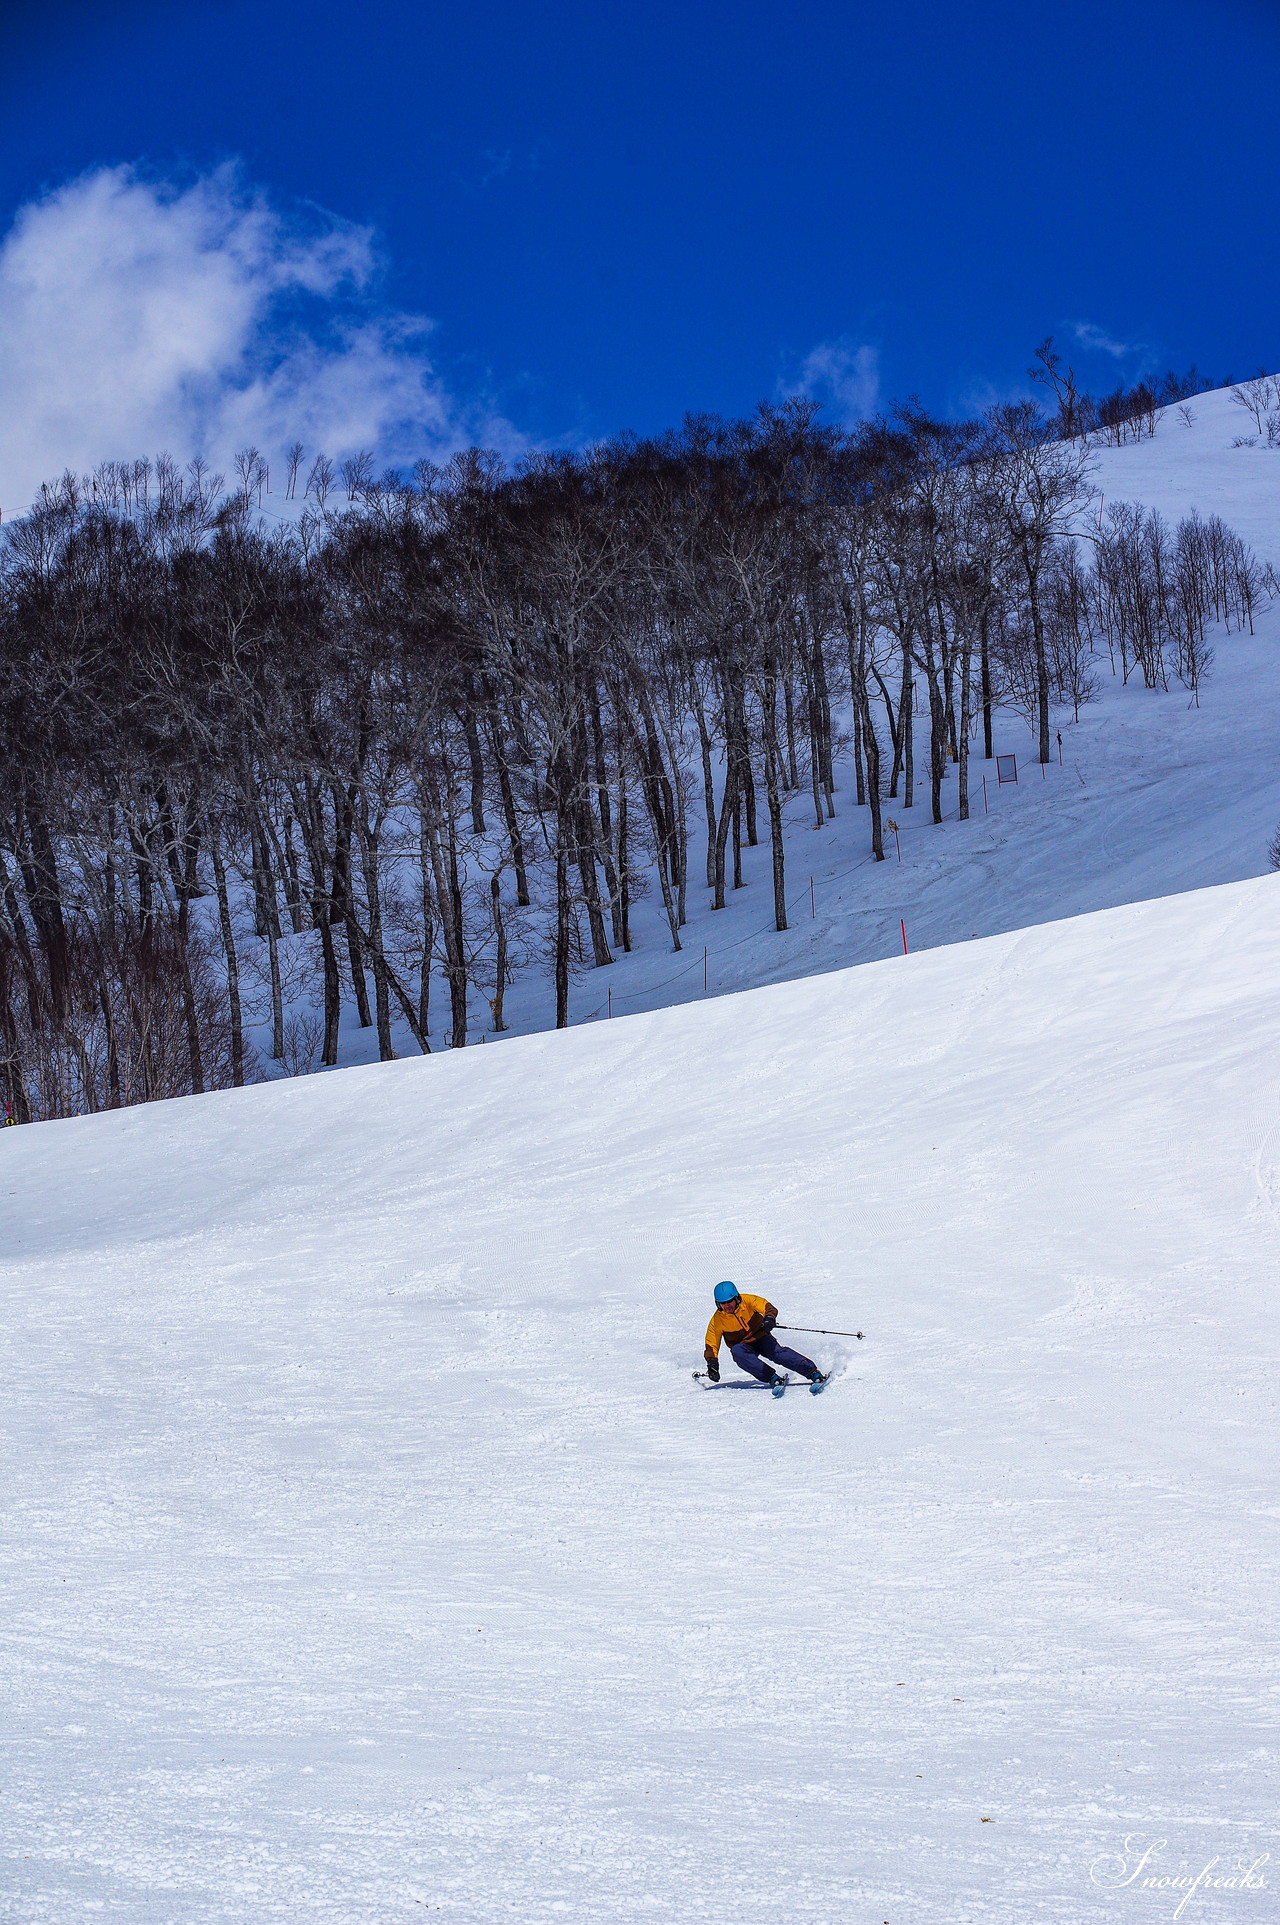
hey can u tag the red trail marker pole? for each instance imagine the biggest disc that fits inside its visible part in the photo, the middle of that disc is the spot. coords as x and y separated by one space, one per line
902 925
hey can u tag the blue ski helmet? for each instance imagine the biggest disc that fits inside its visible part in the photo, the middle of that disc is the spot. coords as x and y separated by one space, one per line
726 1292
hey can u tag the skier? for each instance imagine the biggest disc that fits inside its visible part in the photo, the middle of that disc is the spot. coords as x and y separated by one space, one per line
746 1325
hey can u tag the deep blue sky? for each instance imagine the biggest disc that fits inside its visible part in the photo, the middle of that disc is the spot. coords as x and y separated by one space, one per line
616 214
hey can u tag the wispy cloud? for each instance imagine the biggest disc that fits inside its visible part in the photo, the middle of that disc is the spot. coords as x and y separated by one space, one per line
843 376
139 315
1097 339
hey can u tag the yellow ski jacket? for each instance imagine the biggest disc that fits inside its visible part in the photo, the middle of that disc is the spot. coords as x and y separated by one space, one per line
740 1322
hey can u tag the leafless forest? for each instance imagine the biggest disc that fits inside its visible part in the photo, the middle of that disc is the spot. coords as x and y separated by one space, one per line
450 727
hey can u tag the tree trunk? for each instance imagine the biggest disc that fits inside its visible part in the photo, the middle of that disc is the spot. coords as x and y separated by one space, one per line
514 838
966 696
708 789
562 929
771 773
449 898
1031 565
277 998
906 730
985 644
859 779
343 810
472 734
788 702
373 892
871 749
233 963
605 819
332 992
825 756
500 972
428 931
44 893
292 884
624 873
188 883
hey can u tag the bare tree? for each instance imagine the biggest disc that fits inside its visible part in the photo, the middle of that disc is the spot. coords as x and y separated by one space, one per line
321 479
1256 398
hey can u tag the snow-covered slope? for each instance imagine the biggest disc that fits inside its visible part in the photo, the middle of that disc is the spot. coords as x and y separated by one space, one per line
1186 466
369 1551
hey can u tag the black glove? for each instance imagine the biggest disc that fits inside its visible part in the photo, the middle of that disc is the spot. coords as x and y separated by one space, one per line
713 1369
768 1325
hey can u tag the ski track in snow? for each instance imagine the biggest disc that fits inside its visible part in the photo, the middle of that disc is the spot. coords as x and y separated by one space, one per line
370 1551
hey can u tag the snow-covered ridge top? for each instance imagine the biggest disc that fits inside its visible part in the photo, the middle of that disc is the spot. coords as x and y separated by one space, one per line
1186 466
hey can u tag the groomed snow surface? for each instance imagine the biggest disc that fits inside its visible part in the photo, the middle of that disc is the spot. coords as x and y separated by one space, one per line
370 1553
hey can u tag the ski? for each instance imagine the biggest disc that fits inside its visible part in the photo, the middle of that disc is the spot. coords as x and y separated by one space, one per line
738 1383
816 1387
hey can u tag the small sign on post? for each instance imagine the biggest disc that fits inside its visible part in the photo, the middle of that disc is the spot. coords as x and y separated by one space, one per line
1006 768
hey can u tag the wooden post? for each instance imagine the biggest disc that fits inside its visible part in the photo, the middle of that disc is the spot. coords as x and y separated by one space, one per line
704 969
611 1002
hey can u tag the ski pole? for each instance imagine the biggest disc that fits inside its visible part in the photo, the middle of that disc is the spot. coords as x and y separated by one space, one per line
806 1331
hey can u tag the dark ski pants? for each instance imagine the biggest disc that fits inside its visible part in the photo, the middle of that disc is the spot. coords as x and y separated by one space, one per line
747 1357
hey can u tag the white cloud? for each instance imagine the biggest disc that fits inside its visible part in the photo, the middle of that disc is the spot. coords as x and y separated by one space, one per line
1090 336
138 316
844 378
